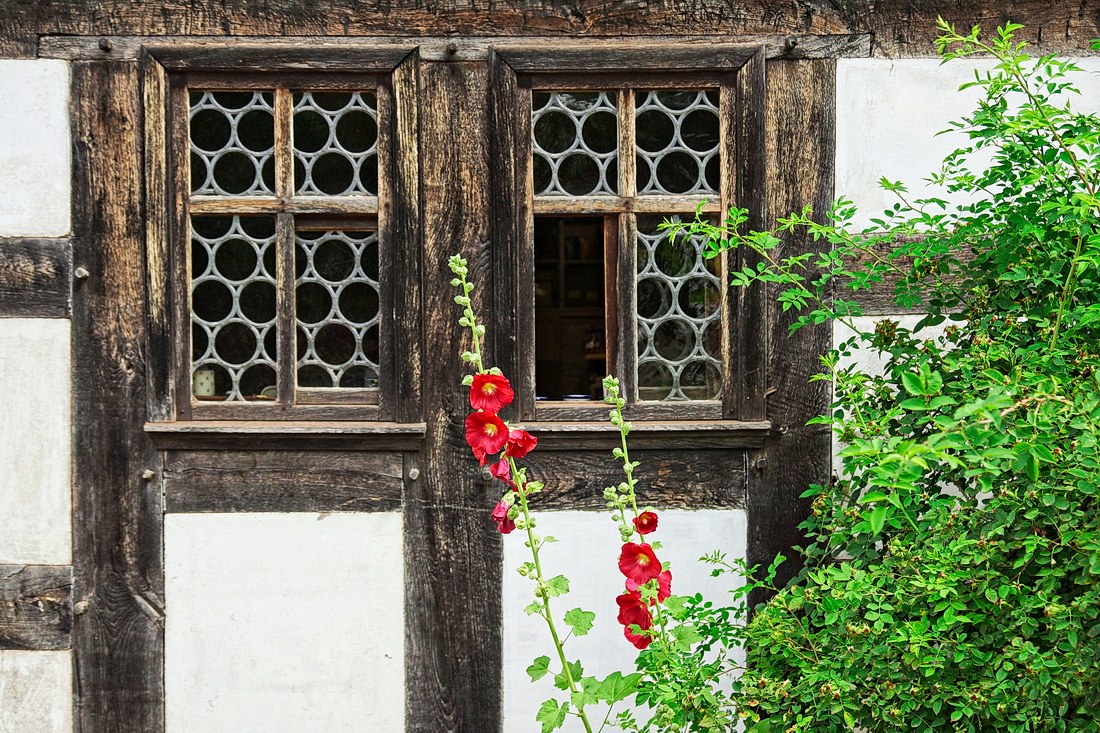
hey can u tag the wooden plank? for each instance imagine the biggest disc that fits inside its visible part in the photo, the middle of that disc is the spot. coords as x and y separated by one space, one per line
623 57
282 481
177 268
441 48
688 478
748 324
35 278
800 122
36 607
364 205
596 410
162 332
668 435
245 56
298 435
453 639
118 576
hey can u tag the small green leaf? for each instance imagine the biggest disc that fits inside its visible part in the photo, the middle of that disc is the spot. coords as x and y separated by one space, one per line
877 518
561 681
551 715
580 621
539 668
557 586
616 687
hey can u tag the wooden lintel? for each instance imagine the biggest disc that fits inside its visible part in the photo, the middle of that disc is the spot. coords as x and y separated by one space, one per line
36 607
665 435
231 435
347 52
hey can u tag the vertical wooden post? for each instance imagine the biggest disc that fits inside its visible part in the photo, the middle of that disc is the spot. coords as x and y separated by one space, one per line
452 556
800 109
118 639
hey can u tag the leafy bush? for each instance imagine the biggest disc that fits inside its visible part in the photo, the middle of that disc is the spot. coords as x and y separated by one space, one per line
953 574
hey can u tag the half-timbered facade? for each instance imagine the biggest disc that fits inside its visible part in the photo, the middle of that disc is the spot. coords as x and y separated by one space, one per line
236 494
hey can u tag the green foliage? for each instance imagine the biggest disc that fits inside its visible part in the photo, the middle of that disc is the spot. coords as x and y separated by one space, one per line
952 579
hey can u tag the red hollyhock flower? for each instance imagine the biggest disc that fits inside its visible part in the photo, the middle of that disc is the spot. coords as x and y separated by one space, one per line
490 392
520 443
664 586
480 455
645 522
500 516
486 432
639 563
633 611
502 471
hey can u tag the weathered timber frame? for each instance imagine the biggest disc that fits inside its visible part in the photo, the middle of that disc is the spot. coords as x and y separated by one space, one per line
136 457
737 72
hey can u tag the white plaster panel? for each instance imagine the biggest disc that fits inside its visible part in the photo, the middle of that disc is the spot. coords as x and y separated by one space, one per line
888 114
34 148
36 692
284 623
587 553
35 442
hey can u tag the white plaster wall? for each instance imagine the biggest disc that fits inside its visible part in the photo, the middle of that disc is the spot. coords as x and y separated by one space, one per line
284 623
888 114
36 692
34 148
35 442
587 553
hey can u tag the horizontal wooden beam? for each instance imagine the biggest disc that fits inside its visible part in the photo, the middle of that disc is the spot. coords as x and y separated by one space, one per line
688 479
664 435
383 52
285 435
36 607
282 481
35 278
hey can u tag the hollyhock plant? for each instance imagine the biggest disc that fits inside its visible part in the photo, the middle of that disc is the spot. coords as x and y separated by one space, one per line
645 522
520 443
639 563
486 432
490 392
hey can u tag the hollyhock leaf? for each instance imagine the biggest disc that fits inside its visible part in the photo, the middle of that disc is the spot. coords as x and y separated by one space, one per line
638 562
686 636
486 432
616 687
520 443
547 540
557 586
580 621
645 522
584 696
490 392
562 682
533 607
539 668
551 716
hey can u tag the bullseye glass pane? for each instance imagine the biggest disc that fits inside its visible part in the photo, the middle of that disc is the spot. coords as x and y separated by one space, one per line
677 142
335 143
232 143
337 308
678 298
575 143
232 307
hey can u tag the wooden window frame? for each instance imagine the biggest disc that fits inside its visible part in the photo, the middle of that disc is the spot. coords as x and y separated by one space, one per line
738 73
389 72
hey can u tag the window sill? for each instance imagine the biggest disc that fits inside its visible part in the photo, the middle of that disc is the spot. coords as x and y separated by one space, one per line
663 435
285 435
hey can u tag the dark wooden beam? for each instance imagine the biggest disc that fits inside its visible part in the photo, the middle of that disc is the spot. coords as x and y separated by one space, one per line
35 278
118 577
36 607
453 561
899 27
800 121
282 481
681 479
229 435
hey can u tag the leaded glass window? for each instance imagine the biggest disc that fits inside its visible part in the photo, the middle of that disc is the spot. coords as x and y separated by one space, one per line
613 291
285 277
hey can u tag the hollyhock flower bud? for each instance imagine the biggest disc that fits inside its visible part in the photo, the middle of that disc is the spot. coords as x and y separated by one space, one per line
645 522
490 392
520 443
487 432
500 515
639 563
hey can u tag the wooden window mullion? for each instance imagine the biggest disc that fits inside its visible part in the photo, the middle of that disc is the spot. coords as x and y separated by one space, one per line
286 374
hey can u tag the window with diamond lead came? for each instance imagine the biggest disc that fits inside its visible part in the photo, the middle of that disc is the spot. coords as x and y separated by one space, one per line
613 291
284 276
